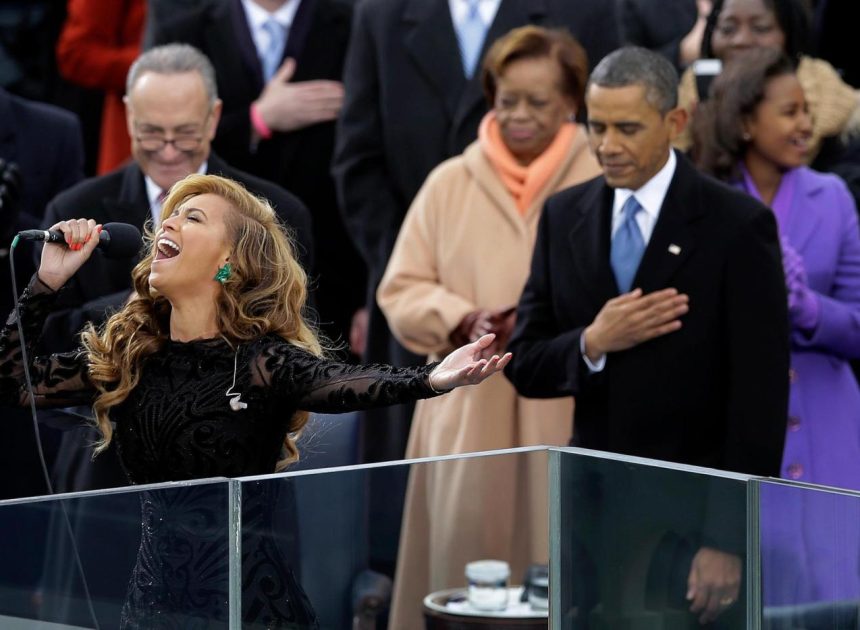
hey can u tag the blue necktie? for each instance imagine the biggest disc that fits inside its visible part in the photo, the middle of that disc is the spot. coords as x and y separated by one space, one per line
627 246
470 36
271 56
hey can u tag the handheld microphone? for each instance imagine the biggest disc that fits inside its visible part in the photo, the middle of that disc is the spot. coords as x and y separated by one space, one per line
117 240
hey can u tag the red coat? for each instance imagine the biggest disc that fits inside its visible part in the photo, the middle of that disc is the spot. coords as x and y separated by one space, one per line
98 43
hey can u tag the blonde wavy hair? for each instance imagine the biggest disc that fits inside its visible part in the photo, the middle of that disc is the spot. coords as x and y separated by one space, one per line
265 293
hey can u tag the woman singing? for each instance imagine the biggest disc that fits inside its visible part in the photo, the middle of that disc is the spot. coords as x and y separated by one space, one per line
209 370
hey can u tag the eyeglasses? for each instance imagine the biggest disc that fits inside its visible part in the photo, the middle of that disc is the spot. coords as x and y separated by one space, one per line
155 142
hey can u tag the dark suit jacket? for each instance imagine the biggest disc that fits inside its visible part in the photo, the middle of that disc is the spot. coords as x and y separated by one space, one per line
409 107
835 27
714 393
101 284
659 26
45 142
300 161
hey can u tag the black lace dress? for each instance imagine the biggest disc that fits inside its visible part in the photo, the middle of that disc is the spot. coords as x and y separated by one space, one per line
178 424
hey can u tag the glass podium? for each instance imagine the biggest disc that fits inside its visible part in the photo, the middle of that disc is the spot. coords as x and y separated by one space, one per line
623 538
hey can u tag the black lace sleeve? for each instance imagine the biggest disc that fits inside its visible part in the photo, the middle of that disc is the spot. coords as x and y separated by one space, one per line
59 380
315 384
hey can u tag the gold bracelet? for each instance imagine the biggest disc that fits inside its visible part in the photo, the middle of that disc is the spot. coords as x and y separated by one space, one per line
433 389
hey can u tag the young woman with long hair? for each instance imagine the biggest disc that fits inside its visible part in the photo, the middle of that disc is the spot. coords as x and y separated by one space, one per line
210 369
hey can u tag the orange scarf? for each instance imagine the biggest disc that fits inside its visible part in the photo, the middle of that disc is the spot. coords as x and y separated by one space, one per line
523 182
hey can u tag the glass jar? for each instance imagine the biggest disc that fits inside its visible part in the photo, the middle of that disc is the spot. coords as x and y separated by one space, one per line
488 584
539 590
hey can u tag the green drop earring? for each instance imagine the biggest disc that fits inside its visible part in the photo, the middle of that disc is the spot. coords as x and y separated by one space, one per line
223 273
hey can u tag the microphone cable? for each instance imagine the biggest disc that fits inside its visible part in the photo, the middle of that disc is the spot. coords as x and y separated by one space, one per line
35 419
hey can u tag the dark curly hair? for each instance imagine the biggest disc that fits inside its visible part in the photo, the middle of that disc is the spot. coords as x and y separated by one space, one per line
718 144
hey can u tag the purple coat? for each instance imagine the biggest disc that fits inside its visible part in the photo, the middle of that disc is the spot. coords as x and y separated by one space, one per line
823 439
811 540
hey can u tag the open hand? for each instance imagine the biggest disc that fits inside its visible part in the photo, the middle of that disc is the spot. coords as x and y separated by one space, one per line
60 262
465 366
286 106
633 318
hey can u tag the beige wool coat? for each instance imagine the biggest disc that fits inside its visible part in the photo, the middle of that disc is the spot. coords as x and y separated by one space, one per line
463 246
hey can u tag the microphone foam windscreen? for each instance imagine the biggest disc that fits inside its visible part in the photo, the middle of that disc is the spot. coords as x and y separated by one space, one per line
125 240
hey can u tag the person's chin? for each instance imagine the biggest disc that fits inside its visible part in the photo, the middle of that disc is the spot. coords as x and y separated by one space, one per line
792 159
159 279
155 281
520 139
616 180
799 156
791 164
618 177
167 176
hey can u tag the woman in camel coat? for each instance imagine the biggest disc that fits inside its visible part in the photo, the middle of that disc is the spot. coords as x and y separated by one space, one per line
457 270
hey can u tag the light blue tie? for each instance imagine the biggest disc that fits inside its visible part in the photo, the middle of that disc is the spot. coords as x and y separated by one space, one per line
271 56
470 35
627 246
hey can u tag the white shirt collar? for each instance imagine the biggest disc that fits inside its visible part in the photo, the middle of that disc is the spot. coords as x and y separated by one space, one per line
487 9
257 15
650 196
153 191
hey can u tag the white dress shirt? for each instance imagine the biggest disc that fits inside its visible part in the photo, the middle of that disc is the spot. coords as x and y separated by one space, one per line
650 196
487 10
257 16
153 192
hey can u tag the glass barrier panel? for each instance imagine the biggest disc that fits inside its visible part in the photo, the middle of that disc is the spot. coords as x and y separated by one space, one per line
308 557
810 556
642 544
148 556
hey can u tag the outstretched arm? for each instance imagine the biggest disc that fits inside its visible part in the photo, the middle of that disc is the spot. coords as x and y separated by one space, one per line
326 386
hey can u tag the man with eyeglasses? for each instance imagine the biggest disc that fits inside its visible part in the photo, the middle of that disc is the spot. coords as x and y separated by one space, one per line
172 110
